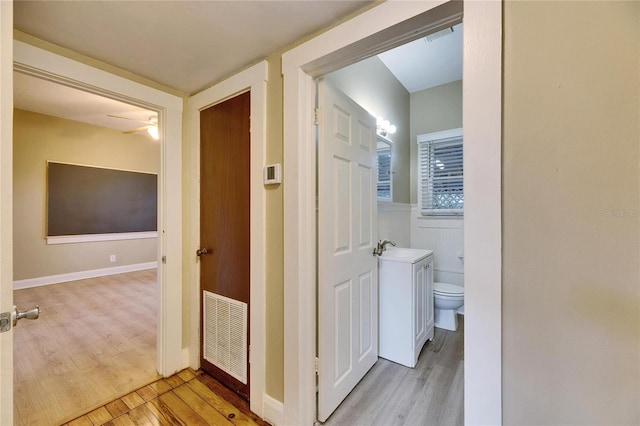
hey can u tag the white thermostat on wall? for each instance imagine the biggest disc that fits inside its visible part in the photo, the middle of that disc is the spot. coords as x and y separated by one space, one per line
272 174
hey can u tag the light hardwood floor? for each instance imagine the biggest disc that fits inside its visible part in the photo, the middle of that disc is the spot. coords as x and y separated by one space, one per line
187 398
429 394
95 341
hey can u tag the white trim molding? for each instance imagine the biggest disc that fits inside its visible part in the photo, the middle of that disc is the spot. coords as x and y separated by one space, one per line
89 238
384 206
253 79
81 275
385 26
40 63
482 123
6 207
273 411
444 134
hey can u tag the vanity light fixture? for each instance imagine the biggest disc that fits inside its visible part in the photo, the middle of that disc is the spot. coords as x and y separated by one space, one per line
384 127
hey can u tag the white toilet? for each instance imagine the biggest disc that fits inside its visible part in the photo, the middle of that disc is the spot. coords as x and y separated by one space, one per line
447 299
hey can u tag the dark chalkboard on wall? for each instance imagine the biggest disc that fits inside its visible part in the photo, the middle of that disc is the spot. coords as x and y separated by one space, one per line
85 200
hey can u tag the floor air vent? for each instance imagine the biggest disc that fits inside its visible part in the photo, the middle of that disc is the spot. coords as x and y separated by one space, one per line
225 334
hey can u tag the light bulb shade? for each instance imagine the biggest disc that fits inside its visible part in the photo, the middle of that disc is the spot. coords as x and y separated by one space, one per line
392 129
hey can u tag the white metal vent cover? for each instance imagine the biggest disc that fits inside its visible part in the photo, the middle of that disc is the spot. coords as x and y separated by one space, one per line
225 334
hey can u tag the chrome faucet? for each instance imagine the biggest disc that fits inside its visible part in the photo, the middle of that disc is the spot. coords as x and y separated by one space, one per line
382 246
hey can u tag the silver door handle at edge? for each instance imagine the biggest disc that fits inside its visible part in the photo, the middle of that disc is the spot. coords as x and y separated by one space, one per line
31 313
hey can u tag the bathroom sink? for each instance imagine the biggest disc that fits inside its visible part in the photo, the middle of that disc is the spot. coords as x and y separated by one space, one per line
402 254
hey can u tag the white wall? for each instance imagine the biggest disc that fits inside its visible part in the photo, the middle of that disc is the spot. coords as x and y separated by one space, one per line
393 223
445 236
403 224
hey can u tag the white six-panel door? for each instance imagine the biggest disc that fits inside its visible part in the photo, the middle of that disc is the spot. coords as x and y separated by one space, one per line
347 269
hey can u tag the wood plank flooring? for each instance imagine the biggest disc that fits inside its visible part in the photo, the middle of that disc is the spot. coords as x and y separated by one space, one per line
95 340
186 398
429 394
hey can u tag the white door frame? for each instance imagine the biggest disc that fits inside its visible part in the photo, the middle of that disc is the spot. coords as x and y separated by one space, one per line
254 79
385 26
50 66
6 207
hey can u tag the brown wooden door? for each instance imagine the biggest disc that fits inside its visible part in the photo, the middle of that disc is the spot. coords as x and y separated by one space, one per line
224 212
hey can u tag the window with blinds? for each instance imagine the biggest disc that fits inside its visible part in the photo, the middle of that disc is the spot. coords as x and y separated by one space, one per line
441 173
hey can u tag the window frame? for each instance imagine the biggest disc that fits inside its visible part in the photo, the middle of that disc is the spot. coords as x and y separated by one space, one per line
424 140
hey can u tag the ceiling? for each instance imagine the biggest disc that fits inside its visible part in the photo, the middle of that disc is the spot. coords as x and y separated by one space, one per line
44 97
189 45
186 45
425 63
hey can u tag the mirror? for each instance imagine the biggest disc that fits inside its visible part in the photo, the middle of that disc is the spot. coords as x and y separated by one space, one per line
385 174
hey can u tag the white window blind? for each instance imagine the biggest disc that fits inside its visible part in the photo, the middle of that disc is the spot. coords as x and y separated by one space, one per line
441 173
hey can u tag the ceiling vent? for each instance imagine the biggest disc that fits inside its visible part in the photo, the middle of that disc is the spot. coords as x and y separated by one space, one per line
438 34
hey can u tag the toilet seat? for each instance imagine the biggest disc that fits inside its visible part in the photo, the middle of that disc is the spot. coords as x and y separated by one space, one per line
447 289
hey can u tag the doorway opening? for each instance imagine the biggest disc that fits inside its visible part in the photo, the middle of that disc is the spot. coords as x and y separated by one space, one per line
412 89
482 124
39 63
251 82
225 241
78 345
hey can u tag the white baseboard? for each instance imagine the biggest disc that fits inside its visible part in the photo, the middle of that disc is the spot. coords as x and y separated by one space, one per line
81 275
185 358
273 411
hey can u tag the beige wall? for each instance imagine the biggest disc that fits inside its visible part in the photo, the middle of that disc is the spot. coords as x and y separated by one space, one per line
432 110
375 88
39 138
274 362
571 210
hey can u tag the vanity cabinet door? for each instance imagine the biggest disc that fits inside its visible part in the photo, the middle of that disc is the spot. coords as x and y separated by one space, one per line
420 307
429 302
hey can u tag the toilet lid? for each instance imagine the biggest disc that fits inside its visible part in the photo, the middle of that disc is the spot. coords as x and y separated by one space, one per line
446 288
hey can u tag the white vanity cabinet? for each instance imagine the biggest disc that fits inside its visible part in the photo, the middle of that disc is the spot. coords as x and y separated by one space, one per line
405 304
